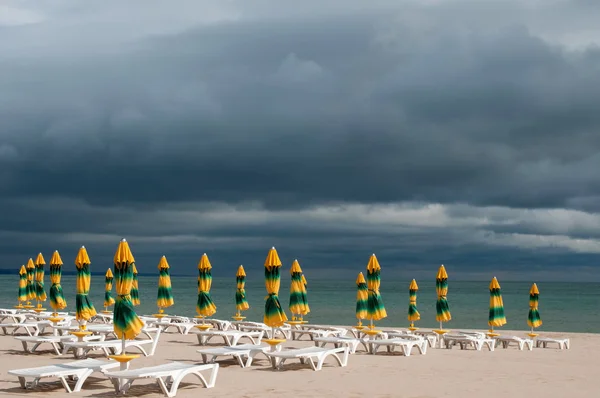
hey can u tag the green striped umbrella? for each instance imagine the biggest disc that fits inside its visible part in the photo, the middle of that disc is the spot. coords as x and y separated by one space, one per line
135 292
241 304
164 297
205 306
84 309
298 300
496 317
375 308
274 314
22 297
362 299
441 306
57 298
30 282
40 292
108 282
127 325
413 314
533 319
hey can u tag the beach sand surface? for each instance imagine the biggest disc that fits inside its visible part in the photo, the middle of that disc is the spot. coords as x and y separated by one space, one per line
548 373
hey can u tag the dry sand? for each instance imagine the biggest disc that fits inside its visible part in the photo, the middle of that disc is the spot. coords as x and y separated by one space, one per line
548 373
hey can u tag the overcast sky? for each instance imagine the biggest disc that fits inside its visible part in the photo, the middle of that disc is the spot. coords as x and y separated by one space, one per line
458 132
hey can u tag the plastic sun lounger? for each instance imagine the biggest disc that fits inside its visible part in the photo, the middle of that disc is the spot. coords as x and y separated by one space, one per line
341 341
464 341
32 328
248 326
312 333
79 370
520 342
230 337
430 338
405 344
311 354
168 376
81 348
218 323
239 352
544 341
55 341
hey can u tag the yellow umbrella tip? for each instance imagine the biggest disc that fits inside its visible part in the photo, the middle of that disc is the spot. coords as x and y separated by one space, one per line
30 263
240 271
295 267
109 273
162 264
272 259
373 264
360 278
442 274
22 270
56 260
534 289
82 257
413 285
494 284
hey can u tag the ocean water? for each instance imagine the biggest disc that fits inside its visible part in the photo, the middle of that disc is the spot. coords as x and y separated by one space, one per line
571 307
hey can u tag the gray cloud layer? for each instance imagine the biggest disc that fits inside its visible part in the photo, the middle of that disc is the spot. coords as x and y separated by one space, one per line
197 126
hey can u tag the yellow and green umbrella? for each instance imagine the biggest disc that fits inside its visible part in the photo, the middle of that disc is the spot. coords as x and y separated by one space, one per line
135 292
84 309
22 286
30 281
241 304
40 292
362 298
57 298
108 282
375 308
413 314
496 317
442 308
274 314
127 325
298 300
164 298
205 306
533 319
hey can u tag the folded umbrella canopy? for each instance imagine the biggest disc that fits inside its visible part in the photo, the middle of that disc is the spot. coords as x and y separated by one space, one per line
135 292
108 282
205 306
413 314
274 314
241 304
57 298
22 297
84 309
533 318
375 308
164 297
442 308
298 300
30 281
40 292
496 316
127 325
362 299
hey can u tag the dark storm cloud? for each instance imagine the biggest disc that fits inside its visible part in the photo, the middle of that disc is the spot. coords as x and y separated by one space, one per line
273 111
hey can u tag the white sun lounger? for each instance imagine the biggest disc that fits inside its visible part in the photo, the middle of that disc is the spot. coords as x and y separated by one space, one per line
337 342
79 370
33 328
248 326
405 344
55 341
544 341
168 376
311 354
468 340
506 341
218 323
230 337
430 338
314 331
81 348
239 352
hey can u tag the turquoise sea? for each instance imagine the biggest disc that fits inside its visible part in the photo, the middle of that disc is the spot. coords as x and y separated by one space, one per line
571 307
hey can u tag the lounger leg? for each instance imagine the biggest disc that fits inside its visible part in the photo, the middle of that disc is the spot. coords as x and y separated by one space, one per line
65 385
239 360
24 343
22 382
81 379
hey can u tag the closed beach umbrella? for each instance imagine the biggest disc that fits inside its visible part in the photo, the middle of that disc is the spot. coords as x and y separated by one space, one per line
205 306
127 325
135 292
40 292
533 319
241 304
22 285
298 300
413 314
375 308
274 314
164 297
442 308
108 282
362 298
30 280
57 298
84 309
496 317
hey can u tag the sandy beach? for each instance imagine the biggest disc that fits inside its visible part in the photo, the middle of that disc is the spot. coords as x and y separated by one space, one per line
440 373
